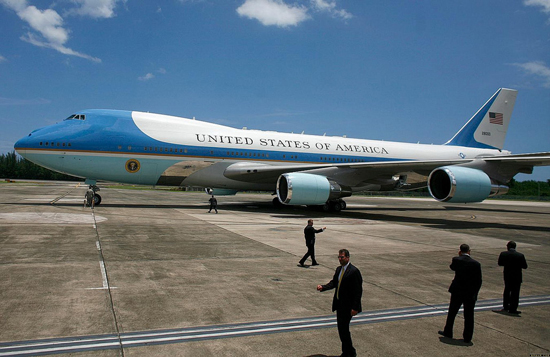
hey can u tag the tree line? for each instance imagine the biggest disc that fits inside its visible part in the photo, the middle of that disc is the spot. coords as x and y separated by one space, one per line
13 166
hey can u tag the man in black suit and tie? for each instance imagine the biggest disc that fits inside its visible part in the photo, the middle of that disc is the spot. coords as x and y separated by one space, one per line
513 263
348 282
464 290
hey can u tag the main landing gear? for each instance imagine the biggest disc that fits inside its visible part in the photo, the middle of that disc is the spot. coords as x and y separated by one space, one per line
92 198
329 206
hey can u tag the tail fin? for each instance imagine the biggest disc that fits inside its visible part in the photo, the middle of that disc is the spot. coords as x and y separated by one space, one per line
487 128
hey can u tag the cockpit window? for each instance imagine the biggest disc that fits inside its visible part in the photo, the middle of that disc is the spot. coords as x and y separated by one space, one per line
77 117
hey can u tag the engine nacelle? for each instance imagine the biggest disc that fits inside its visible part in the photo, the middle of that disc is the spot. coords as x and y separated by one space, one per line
307 189
462 185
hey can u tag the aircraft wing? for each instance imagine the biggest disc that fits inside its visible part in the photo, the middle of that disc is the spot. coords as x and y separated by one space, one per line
357 174
535 159
352 174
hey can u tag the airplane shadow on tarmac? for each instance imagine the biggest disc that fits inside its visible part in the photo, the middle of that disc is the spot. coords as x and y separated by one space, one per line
368 213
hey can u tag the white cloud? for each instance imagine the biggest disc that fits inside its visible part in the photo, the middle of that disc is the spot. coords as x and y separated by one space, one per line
97 9
47 22
48 25
3 59
538 69
273 12
330 7
146 77
150 76
30 38
544 3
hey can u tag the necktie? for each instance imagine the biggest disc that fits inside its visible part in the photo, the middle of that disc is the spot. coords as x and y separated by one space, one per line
339 281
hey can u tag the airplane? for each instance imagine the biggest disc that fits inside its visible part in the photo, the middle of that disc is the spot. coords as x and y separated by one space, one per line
153 149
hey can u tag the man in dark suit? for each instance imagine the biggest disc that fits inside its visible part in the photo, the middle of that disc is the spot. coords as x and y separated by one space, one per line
348 282
513 262
213 204
309 234
464 290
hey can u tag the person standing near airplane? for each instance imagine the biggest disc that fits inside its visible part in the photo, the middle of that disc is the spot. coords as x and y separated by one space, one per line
513 262
89 198
213 204
348 282
309 233
464 290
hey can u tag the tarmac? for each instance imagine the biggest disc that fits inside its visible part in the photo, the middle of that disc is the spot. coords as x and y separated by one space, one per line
151 273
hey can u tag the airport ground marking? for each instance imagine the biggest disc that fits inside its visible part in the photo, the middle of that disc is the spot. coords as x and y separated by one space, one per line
106 285
159 337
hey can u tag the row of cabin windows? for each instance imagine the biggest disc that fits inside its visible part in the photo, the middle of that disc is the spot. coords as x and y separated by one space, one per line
47 143
340 159
184 151
248 154
157 149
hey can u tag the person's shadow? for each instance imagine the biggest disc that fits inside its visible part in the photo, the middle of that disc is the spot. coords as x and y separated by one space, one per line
454 342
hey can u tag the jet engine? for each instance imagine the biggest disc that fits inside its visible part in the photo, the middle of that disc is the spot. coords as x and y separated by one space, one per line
462 185
307 189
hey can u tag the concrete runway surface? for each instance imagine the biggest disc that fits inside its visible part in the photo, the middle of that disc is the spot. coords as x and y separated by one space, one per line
150 272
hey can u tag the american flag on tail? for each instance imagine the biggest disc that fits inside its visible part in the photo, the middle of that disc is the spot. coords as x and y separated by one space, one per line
496 118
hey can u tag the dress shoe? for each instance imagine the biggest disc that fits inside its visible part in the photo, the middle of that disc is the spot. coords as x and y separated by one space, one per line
301 265
467 341
442 333
315 264
515 312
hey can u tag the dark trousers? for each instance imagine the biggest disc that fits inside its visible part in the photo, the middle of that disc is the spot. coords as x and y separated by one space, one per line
469 304
310 253
511 296
212 207
343 318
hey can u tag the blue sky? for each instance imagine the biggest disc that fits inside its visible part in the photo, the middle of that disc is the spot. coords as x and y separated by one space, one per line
412 71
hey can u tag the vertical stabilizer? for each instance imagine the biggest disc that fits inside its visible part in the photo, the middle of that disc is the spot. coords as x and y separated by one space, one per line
487 128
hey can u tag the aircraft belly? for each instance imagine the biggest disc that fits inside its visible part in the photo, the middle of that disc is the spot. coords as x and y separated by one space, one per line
213 176
177 173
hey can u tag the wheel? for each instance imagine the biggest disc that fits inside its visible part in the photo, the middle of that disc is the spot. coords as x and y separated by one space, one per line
97 199
336 206
343 204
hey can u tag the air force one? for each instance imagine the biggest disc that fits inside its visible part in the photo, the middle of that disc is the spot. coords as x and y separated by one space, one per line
153 149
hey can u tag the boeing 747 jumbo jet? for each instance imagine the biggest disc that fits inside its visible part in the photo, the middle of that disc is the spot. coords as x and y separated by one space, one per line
153 149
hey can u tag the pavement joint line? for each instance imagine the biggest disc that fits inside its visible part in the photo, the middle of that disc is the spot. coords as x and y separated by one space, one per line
106 286
145 338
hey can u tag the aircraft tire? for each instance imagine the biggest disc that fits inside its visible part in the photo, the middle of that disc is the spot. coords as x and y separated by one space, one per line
336 206
343 204
97 199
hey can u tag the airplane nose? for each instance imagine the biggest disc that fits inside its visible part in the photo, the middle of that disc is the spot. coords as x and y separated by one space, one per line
21 144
